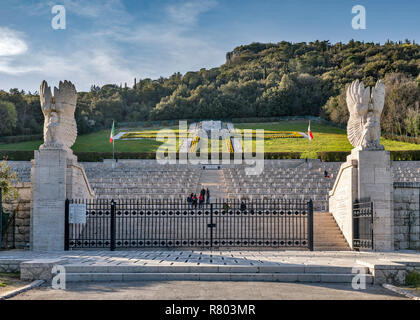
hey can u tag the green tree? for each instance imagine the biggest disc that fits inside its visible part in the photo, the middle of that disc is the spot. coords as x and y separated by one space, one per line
8 117
7 179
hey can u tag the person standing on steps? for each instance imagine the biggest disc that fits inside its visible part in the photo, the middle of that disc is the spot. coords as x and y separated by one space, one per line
190 200
194 201
207 196
201 200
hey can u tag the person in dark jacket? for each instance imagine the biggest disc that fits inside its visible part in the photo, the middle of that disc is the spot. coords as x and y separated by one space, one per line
190 200
207 196
243 206
194 200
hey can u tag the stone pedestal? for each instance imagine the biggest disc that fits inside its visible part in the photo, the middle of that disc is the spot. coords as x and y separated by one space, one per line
56 176
49 195
375 182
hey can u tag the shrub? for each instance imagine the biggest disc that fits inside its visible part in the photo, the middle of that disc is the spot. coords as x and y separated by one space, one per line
412 279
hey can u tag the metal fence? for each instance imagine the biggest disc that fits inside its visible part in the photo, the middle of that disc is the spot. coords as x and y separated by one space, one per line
363 224
177 224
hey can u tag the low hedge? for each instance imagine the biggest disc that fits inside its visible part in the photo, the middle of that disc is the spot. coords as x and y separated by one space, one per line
16 155
405 155
341 156
330 156
282 155
415 140
333 156
22 138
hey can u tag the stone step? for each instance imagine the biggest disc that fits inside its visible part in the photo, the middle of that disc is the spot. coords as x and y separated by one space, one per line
330 241
275 277
217 268
335 248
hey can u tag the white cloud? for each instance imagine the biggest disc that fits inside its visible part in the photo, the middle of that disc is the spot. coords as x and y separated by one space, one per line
187 13
11 42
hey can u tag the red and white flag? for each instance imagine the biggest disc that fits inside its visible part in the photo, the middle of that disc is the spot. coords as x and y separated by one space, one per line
310 135
111 137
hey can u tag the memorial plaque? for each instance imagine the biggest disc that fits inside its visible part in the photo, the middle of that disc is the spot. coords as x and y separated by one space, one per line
77 213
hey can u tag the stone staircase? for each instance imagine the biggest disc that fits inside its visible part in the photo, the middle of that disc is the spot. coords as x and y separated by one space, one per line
277 273
327 234
215 182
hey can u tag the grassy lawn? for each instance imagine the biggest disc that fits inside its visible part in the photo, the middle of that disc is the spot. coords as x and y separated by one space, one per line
326 138
94 142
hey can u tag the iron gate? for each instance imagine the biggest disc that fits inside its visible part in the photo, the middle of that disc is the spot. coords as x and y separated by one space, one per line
176 224
363 224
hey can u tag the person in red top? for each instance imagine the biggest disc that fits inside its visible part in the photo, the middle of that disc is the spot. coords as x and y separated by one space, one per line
201 200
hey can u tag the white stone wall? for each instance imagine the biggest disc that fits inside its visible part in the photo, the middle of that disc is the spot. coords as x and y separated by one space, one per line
342 197
374 181
407 215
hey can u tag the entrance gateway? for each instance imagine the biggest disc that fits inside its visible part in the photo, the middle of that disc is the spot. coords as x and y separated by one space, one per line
126 224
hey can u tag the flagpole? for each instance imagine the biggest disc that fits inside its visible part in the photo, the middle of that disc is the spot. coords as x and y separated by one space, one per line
309 144
309 155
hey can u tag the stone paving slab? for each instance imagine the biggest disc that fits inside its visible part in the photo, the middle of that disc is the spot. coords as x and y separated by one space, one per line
216 265
223 258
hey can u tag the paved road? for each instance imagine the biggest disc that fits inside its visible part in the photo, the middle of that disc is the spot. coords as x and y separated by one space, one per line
192 290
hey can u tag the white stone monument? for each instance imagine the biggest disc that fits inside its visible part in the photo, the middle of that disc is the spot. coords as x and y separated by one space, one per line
367 172
56 174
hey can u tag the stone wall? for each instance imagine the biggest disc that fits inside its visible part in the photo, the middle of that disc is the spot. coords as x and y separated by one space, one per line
407 215
18 233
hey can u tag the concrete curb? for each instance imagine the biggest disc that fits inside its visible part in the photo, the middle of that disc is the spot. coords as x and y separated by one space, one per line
403 292
28 287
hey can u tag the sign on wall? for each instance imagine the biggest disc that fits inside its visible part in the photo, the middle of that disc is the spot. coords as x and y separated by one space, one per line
77 213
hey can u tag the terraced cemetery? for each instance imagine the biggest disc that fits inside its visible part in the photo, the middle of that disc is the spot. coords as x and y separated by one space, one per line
282 136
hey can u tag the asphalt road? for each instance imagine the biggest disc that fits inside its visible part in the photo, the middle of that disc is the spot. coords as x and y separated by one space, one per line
217 290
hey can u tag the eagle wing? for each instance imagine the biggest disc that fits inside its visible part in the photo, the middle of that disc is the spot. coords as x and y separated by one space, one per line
357 103
65 100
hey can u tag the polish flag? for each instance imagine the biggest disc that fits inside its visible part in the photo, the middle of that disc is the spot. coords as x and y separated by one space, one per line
111 137
310 135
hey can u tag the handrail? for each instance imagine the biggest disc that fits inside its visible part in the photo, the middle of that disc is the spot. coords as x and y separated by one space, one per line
91 192
344 166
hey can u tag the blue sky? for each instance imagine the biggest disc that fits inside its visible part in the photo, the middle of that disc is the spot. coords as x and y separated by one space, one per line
113 41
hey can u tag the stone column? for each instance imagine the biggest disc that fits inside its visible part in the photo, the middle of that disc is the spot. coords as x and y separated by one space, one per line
375 182
49 195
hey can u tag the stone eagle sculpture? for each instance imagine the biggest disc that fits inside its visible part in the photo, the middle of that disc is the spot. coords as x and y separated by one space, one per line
365 108
60 129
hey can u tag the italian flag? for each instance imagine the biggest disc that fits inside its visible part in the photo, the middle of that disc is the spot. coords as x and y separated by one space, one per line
111 137
310 135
